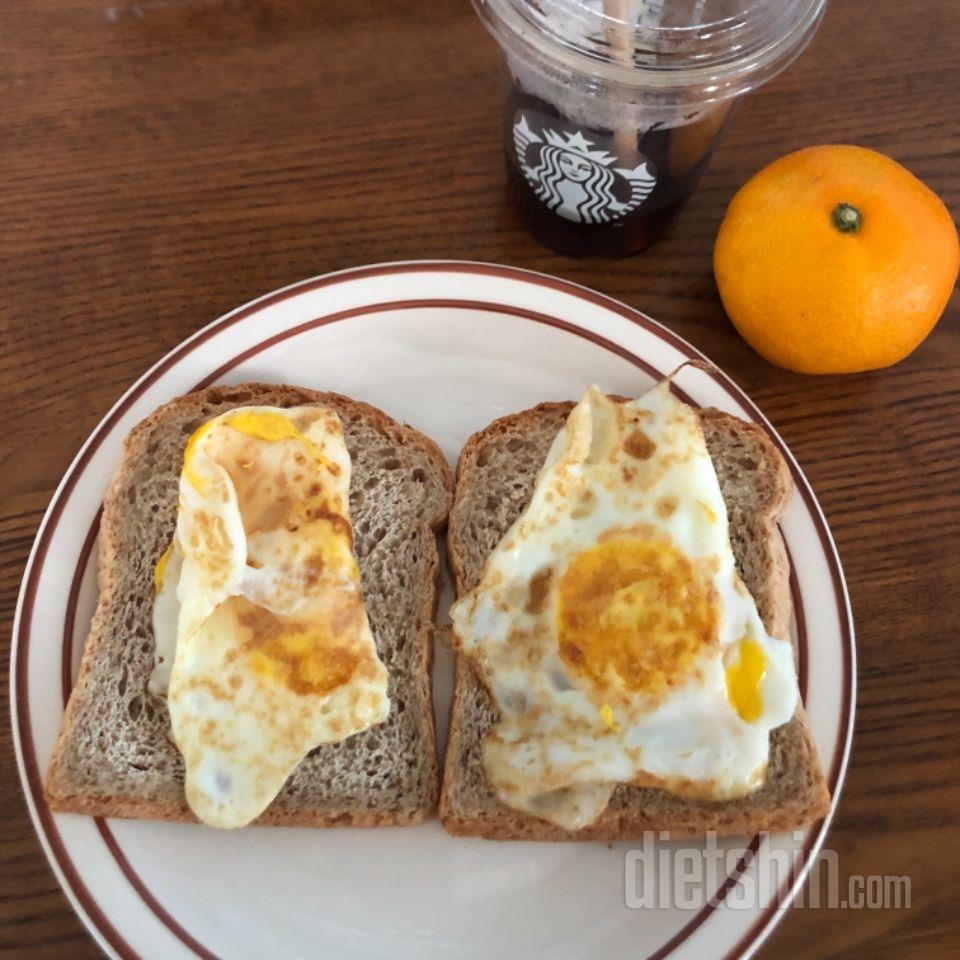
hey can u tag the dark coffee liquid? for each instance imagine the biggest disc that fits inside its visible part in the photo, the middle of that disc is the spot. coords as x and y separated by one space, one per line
589 192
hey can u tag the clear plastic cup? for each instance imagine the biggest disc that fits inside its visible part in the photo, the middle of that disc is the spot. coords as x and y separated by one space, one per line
614 106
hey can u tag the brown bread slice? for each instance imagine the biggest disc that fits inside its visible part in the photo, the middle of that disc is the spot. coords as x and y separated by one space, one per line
496 474
115 756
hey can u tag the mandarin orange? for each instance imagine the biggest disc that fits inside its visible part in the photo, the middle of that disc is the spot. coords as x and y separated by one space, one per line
835 259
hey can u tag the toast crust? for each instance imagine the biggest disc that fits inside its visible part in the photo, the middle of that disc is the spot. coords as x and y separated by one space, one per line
64 794
632 811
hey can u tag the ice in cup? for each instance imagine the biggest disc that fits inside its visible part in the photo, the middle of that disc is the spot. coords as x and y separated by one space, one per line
614 106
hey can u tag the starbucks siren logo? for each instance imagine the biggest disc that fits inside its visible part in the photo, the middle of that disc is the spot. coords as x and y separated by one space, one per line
576 181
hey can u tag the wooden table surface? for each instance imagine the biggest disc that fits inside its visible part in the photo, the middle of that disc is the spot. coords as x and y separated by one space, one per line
162 161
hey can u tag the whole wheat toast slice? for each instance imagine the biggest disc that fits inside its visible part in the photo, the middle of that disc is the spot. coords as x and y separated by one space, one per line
496 475
115 755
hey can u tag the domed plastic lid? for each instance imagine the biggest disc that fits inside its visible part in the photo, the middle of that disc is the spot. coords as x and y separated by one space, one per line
722 47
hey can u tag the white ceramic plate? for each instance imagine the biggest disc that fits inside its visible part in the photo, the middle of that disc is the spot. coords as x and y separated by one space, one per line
446 347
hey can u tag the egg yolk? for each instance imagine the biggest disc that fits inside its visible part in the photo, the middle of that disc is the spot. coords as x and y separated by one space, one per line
709 511
308 658
160 570
606 715
636 610
262 424
744 679
189 455
270 426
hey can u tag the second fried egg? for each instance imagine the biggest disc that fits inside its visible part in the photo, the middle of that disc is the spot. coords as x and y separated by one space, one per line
613 630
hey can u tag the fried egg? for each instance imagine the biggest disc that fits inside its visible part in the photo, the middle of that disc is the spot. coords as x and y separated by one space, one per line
612 629
264 650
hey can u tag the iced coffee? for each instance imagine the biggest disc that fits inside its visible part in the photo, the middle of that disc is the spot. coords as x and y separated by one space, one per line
613 108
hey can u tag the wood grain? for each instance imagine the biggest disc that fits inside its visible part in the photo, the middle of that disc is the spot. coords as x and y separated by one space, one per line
162 161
